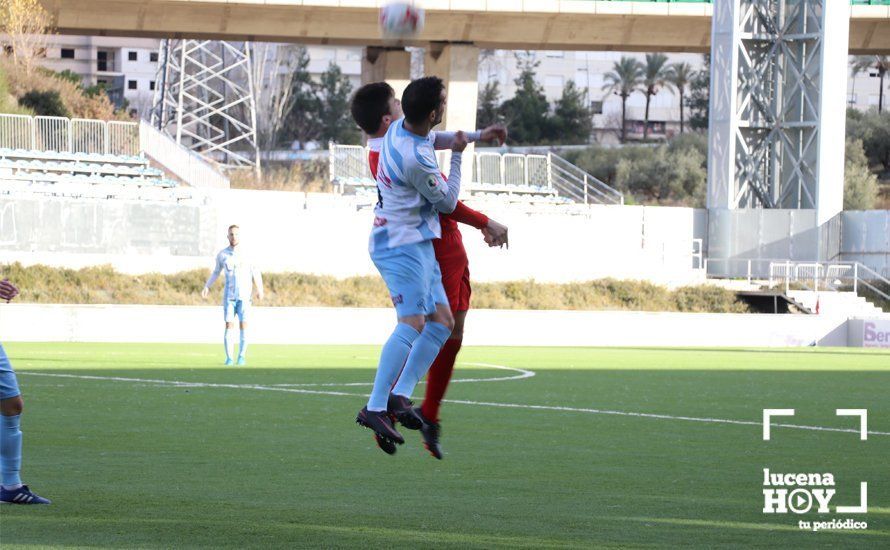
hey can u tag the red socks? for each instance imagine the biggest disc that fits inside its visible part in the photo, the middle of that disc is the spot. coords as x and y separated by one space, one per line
438 377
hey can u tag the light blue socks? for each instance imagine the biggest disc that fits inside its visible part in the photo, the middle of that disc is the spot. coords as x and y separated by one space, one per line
242 346
422 355
229 343
392 357
10 451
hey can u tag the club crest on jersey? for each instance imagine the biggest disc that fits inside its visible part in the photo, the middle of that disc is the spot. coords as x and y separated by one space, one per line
432 182
396 300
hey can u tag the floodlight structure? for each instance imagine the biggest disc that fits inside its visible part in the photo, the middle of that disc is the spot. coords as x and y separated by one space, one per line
776 132
778 87
205 100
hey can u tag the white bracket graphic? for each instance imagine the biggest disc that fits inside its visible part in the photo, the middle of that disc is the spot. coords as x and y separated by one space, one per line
863 502
768 413
863 420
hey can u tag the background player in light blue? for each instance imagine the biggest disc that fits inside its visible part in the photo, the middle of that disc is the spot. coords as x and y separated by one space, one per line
12 491
240 275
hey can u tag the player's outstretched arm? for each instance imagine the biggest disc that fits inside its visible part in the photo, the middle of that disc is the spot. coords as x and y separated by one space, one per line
495 132
8 291
445 140
426 178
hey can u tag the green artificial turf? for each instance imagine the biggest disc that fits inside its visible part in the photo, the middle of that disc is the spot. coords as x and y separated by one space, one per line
234 461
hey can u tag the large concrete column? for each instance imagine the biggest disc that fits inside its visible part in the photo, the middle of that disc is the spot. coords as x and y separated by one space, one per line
458 66
390 64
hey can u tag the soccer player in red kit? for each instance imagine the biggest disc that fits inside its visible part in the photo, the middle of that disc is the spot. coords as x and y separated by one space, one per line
374 107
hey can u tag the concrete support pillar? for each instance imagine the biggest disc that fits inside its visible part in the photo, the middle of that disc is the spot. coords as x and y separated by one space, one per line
390 64
458 66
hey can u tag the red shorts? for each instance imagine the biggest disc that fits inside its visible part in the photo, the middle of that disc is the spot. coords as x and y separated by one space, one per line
455 269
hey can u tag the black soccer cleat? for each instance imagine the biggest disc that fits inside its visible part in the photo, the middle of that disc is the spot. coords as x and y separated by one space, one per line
403 409
385 445
381 424
430 432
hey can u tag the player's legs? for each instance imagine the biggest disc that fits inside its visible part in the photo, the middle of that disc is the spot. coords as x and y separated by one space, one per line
241 309
229 334
436 331
11 406
456 281
441 370
404 271
10 435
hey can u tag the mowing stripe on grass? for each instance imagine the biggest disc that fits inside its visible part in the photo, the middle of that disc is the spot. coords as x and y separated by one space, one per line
182 384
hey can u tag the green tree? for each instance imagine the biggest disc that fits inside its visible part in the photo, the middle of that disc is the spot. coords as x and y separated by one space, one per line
335 122
489 103
860 185
699 96
881 64
655 77
680 75
301 122
47 103
572 118
624 79
873 129
527 112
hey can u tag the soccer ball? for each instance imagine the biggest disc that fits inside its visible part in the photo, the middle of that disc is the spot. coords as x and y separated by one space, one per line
400 20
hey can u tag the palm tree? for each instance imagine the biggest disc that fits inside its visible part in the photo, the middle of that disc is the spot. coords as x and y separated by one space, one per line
679 75
881 63
624 79
654 78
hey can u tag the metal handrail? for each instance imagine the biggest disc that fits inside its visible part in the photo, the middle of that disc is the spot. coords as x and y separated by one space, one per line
584 181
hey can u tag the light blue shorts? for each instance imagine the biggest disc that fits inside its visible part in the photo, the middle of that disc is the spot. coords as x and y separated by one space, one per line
412 275
236 308
9 386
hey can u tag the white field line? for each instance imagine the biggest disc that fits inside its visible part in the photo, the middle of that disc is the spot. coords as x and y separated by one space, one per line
181 384
522 373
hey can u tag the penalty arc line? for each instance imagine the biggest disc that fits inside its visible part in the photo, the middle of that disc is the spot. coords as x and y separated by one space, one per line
182 384
523 373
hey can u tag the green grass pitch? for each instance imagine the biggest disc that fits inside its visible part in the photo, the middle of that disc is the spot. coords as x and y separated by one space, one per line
237 460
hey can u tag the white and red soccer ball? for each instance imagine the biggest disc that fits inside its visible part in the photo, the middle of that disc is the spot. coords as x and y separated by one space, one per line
400 20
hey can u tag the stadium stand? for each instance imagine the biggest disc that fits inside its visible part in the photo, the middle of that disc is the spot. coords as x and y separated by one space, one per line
533 180
60 157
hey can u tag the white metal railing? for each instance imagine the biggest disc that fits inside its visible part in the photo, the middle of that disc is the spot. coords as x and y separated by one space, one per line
828 276
185 164
66 135
52 133
348 165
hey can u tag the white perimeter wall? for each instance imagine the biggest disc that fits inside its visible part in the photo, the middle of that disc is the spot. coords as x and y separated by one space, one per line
328 234
121 323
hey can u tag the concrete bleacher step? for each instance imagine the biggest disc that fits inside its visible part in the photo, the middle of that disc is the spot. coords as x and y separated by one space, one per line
837 303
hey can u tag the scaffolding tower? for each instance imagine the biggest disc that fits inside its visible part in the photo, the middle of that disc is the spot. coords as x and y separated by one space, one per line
205 100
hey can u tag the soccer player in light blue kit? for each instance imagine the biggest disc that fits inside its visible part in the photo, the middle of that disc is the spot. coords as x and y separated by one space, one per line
12 491
411 192
240 275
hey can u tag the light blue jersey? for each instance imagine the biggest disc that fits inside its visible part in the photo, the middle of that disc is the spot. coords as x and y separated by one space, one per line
239 275
410 185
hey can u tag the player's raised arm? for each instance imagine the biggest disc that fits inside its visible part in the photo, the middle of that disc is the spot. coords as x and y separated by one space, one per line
213 276
495 132
428 180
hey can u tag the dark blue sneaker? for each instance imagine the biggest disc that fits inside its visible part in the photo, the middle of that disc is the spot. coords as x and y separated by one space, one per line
22 495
